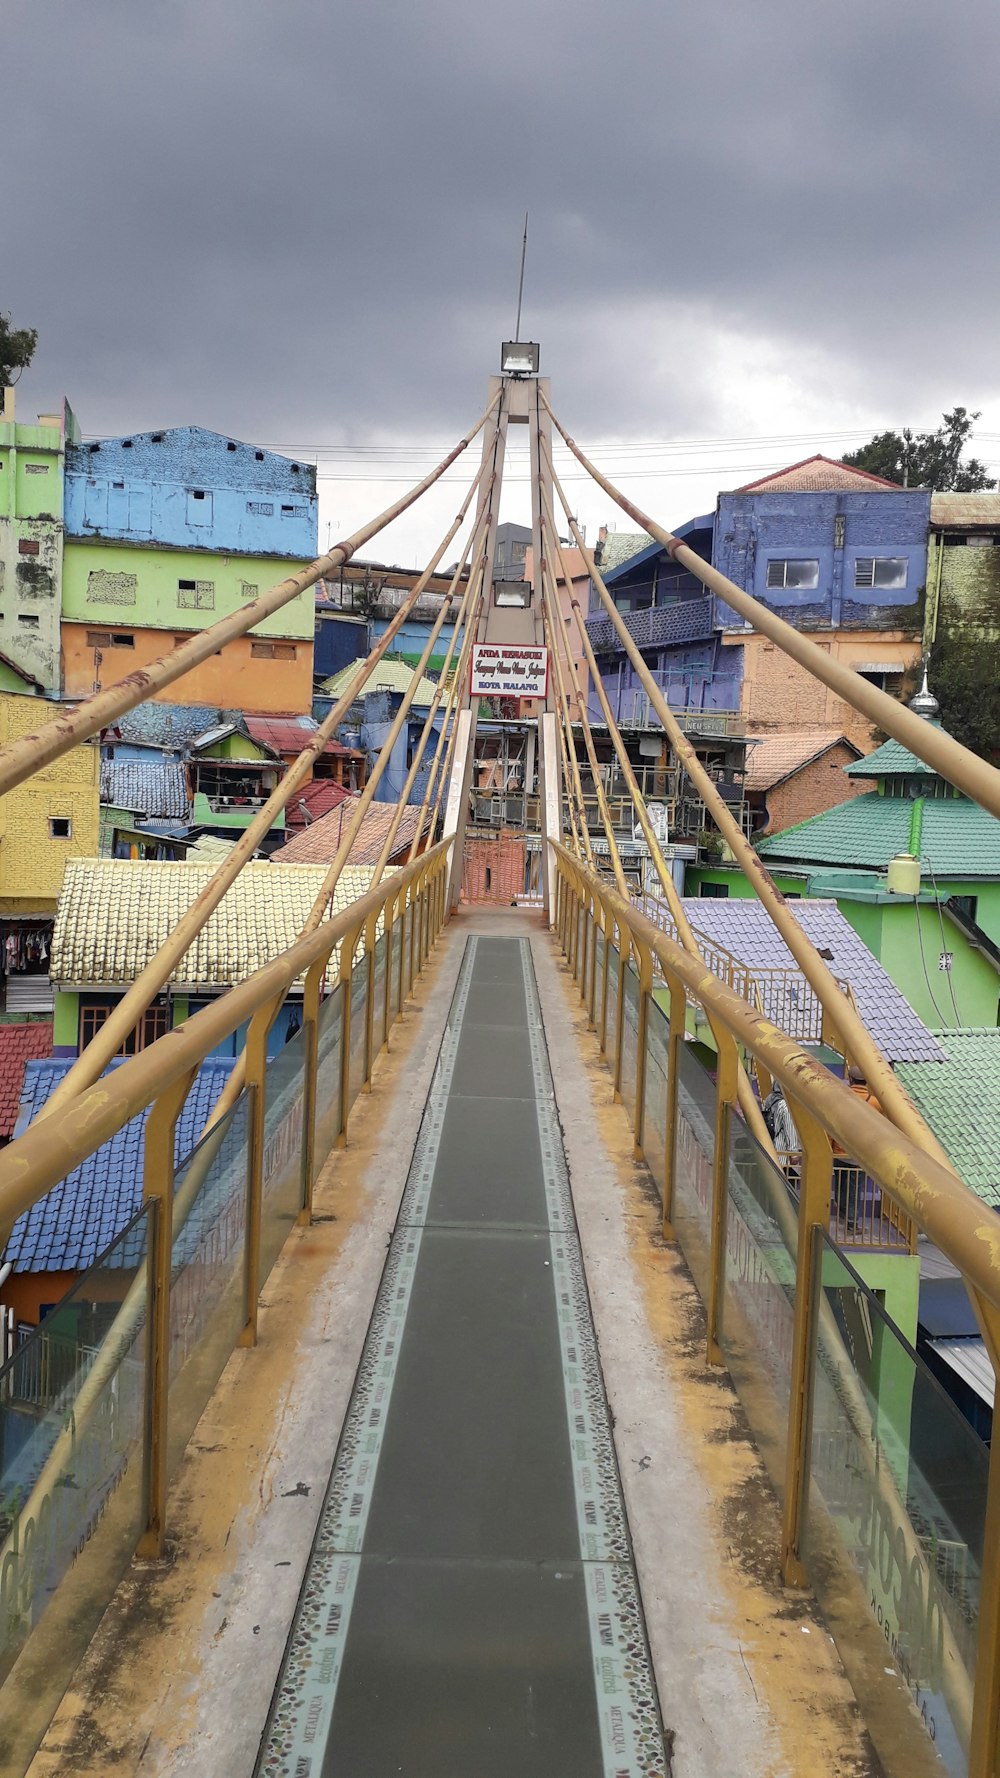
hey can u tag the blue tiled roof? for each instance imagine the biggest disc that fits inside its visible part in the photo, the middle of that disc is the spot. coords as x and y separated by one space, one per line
154 788
72 1225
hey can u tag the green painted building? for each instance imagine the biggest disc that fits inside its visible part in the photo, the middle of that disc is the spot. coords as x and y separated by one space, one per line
31 546
937 936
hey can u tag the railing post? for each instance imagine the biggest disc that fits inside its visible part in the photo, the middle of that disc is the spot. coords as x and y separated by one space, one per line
256 1049
348 946
645 956
610 929
813 1222
388 929
370 926
624 946
310 1025
726 1077
984 1747
158 1194
675 1042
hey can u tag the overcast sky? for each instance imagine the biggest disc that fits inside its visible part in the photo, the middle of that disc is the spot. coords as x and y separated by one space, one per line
758 228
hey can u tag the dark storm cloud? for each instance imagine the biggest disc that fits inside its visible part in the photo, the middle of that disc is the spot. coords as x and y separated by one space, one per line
301 222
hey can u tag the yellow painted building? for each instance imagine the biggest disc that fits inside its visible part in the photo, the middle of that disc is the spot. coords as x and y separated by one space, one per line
52 816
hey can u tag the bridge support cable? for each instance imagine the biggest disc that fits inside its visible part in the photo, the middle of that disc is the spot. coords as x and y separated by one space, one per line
106 1043
938 749
31 752
443 751
574 784
560 646
322 905
854 1037
748 1101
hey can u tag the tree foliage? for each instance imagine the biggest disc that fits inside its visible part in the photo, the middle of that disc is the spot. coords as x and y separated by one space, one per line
926 459
17 348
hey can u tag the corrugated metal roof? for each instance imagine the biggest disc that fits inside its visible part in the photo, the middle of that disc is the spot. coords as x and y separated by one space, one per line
958 838
777 755
154 788
742 926
318 844
969 1360
390 674
966 509
288 734
74 1223
960 1098
114 914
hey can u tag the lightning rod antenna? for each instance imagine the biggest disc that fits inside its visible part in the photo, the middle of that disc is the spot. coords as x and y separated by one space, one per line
520 287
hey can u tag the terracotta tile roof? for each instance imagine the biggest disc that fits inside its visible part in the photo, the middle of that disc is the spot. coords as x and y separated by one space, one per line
318 844
314 801
776 756
81 1216
289 734
814 474
958 839
18 1044
113 915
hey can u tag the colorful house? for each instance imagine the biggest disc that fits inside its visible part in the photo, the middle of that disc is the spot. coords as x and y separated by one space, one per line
114 915
167 532
31 546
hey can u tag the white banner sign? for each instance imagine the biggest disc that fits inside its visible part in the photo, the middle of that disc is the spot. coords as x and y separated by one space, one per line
506 670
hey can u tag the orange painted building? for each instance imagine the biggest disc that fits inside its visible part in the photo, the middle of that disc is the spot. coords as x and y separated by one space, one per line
256 672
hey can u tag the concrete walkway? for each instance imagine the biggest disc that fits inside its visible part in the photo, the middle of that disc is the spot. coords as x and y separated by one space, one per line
470 1605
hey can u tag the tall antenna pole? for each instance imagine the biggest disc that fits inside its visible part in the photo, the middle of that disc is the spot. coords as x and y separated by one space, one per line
520 287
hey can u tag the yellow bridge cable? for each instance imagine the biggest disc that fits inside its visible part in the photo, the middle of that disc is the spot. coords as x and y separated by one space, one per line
31 752
108 1040
748 1102
954 762
851 1029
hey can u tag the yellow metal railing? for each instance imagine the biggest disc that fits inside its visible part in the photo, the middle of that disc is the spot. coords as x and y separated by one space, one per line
202 1245
760 1243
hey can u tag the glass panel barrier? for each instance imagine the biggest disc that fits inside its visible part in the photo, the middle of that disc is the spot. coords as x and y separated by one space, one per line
692 1197
328 1075
897 1506
207 1280
408 946
655 1116
396 936
759 1292
630 1039
359 1000
379 1006
71 1422
612 1012
282 1169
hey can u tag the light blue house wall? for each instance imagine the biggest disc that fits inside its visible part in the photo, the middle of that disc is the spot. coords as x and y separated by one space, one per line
186 488
834 528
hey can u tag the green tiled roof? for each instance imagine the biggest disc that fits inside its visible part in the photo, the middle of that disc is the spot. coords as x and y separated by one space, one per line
890 760
960 1099
958 838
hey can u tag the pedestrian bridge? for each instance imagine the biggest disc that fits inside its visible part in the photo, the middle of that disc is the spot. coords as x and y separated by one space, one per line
455 1557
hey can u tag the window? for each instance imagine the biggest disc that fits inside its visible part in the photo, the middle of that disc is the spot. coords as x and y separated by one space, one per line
801 574
272 651
880 571
261 509
888 681
27 547
966 906
249 589
153 1024
292 512
60 827
107 588
110 639
29 618
714 891
36 469
196 595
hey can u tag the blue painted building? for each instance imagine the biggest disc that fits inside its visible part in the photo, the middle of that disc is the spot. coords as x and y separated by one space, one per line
187 488
825 546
